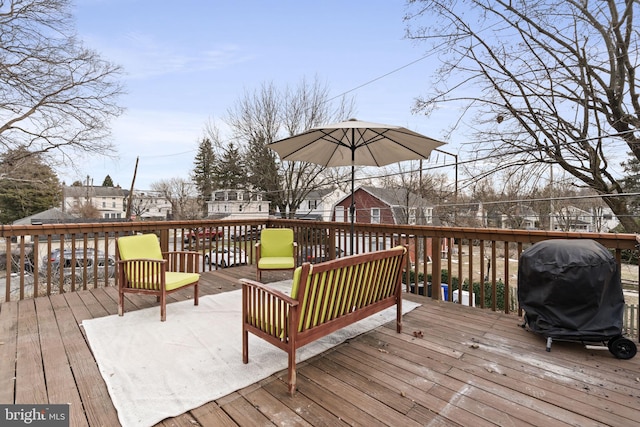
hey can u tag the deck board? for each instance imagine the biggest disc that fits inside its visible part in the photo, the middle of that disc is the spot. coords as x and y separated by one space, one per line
451 365
57 371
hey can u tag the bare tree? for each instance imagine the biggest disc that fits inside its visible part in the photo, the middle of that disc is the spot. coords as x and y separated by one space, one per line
182 196
543 82
58 97
268 115
86 210
140 205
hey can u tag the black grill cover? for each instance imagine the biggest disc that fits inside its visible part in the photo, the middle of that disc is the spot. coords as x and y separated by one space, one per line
571 289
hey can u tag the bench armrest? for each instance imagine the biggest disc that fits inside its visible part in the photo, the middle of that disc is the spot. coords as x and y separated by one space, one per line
268 310
268 290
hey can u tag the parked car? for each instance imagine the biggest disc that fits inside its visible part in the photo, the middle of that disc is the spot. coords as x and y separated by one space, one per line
203 234
88 265
252 233
315 254
226 257
82 258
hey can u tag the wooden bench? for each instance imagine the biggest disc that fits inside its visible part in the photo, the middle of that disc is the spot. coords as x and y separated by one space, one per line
324 297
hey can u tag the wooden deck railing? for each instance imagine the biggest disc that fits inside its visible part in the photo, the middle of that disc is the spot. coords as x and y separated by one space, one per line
475 266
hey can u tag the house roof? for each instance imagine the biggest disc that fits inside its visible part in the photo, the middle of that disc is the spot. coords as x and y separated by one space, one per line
394 197
94 191
50 216
397 196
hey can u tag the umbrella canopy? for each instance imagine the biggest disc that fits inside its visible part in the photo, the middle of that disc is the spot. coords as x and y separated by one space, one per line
354 142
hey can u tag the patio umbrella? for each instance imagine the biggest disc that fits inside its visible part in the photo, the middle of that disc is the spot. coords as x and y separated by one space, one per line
354 142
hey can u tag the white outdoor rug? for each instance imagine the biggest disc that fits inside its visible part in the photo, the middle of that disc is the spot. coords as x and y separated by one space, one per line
154 370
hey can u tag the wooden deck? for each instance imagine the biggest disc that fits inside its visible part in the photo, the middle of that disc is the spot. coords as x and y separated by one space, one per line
470 367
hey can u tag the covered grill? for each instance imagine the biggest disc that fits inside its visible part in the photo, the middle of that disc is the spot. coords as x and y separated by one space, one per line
571 290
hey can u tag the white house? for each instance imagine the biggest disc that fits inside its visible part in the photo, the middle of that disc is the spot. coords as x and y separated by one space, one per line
237 204
150 205
318 205
110 201
571 218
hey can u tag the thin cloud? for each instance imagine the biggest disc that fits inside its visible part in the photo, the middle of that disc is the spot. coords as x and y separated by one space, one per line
144 56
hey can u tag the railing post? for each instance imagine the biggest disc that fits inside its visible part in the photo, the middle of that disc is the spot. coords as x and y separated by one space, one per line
436 267
164 240
332 244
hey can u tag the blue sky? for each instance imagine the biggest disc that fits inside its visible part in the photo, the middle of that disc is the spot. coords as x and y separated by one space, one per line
188 62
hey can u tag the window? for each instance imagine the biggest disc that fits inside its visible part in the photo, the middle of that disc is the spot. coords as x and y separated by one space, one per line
239 196
375 215
313 204
412 216
429 215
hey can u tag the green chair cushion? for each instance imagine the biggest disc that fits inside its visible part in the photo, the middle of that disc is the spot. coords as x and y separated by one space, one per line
276 263
276 242
175 280
145 246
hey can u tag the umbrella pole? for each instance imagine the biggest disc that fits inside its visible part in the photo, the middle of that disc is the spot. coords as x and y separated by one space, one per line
352 208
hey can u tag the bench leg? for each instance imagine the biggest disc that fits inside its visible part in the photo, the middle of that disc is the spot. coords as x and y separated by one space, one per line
292 371
163 307
245 346
120 302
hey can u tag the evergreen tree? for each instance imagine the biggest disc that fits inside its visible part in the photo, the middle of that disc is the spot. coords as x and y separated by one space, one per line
262 171
27 185
230 171
108 182
203 171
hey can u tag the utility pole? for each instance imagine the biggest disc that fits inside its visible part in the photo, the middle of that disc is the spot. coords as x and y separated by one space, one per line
133 181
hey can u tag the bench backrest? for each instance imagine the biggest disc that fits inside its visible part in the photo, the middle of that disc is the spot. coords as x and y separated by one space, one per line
336 288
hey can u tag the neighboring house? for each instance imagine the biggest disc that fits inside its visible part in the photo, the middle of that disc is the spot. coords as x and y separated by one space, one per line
109 201
385 206
318 205
520 217
390 206
237 204
596 220
150 205
571 218
604 219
